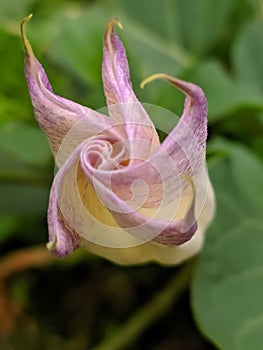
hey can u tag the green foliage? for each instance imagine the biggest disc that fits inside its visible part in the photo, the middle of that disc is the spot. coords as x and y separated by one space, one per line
84 30
216 44
228 284
225 95
248 54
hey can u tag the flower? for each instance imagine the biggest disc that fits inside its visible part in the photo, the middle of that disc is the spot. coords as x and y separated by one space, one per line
118 192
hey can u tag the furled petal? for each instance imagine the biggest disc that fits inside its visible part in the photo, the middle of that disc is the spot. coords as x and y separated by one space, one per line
75 211
74 206
116 186
163 254
122 102
169 231
182 153
56 115
62 239
181 156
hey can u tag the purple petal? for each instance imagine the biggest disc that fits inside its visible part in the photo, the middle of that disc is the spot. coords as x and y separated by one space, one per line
62 238
171 232
163 254
182 153
123 104
56 115
117 186
115 69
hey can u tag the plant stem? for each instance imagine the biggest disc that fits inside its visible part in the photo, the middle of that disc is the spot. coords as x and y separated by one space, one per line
23 259
150 312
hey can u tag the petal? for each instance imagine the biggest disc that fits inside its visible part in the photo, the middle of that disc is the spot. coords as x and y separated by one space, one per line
189 135
56 115
115 69
170 231
78 217
162 254
75 213
154 252
182 152
182 155
119 92
62 239
75 208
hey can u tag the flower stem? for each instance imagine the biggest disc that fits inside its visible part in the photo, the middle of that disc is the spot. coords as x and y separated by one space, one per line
23 259
150 312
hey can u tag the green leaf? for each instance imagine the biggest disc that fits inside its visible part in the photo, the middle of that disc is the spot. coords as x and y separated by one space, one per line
12 12
23 199
77 47
178 26
249 177
247 54
228 285
154 39
224 95
202 22
7 226
14 100
26 143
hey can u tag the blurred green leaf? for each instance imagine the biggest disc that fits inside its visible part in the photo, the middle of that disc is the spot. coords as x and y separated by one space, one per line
151 35
12 12
23 199
78 43
7 226
176 29
14 99
247 172
247 54
224 95
228 285
202 22
25 143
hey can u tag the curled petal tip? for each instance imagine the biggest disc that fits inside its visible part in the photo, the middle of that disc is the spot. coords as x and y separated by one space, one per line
27 46
26 19
153 77
112 23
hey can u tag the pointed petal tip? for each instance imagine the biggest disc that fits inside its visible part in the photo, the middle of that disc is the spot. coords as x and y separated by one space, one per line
110 30
26 43
109 39
110 25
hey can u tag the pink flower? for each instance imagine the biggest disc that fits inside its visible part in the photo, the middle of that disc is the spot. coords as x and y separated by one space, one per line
118 192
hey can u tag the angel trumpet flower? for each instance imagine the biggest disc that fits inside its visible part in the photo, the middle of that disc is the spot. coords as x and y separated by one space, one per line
118 192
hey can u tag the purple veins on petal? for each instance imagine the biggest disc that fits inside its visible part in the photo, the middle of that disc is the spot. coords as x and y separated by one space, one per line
56 115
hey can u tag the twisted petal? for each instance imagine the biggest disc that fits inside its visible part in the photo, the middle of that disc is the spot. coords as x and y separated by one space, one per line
181 154
75 209
163 254
116 186
122 102
56 115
